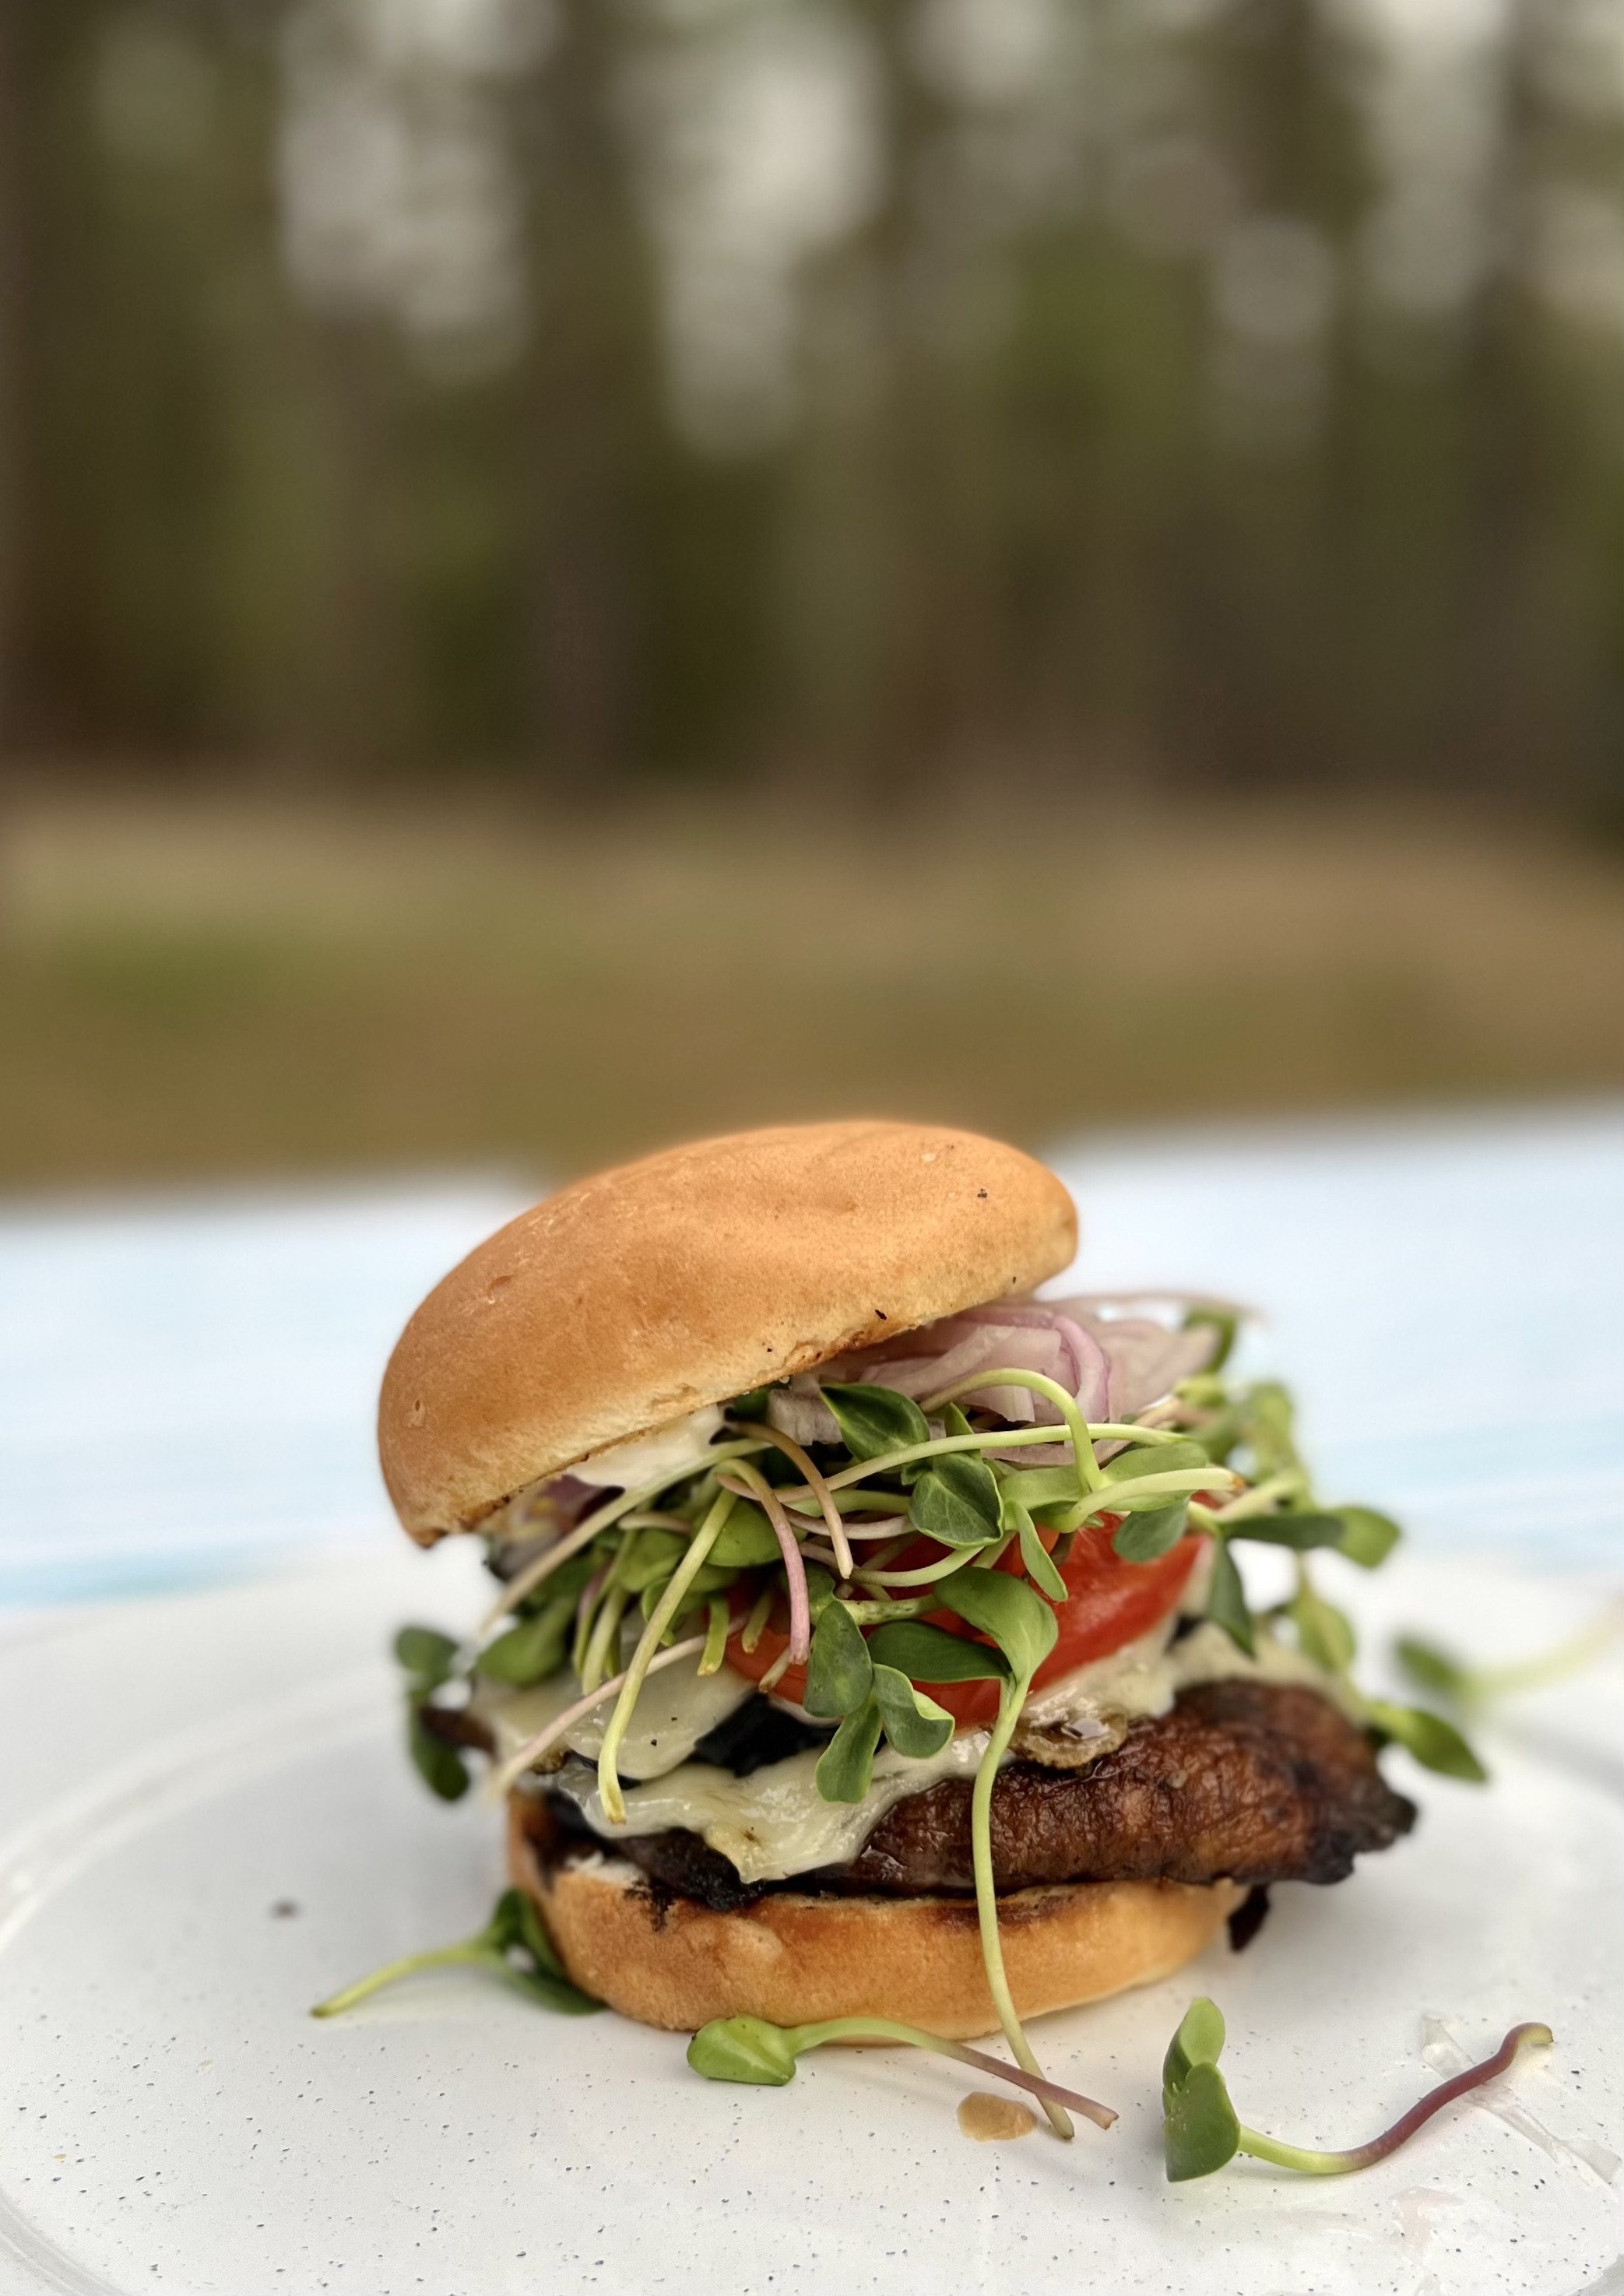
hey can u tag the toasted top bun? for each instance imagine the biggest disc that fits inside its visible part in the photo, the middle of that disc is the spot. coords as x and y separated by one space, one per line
632 1298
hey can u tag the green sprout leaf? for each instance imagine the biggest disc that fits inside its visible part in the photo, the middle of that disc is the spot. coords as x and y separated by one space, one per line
1224 1324
1199 2041
652 1560
530 1651
516 1927
1021 1625
845 1769
1436 1744
875 1420
1200 2131
1146 1537
1367 1537
1040 1487
1323 1633
426 1655
748 2049
744 2049
840 1673
1153 1459
956 1501
439 1765
1034 1557
916 1724
1226 1597
745 1541
1268 1427
1429 1667
927 1654
1301 1532
752 1406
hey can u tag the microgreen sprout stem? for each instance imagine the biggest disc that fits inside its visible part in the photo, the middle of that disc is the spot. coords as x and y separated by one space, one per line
1454 1678
604 1517
1012 1697
1088 1466
718 1616
775 1673
816 1485
927 1573
747 1482
755 1625
1201 2130
750 2049
665 1610
515 1928
1262 1498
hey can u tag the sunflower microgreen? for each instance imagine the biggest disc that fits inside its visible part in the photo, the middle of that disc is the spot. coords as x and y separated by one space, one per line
1146 1536
1201 2131
745 1541
1367 1537
1153 1459
437 1763
916 1724
1227 1596
1447 1675
531 1650
428 1658
748 2049
845 1767
1435 1743
956 1501
1323 1633
875 1421
840 1673
927 1654
1302 1533
1024 1628
1036 1560
513 1945
1225 1324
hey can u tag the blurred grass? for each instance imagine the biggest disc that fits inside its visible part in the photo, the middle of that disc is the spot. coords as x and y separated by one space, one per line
192 990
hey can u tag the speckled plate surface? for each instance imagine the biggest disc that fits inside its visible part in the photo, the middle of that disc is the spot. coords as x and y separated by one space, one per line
205 1823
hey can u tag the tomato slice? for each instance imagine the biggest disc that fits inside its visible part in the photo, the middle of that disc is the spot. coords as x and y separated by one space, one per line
1109 1602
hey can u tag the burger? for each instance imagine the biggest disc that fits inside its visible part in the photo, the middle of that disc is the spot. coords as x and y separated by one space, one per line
866 1636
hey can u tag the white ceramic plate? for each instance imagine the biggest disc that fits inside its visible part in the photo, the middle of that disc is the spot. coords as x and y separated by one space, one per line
170 2118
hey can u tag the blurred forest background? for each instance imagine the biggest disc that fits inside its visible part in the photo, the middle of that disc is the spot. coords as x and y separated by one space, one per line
575 569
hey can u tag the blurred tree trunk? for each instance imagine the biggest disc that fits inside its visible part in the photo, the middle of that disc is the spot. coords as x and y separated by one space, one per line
591 427
13 355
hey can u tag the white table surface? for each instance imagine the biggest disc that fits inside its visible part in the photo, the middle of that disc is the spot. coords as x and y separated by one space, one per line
187 1384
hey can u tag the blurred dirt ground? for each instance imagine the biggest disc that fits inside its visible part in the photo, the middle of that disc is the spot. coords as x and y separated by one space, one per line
192 990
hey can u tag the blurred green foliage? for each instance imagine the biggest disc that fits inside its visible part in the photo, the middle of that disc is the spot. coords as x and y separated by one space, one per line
1142 393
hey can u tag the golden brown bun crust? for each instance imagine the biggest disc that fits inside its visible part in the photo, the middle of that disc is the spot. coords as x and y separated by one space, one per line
795 1959
636 1297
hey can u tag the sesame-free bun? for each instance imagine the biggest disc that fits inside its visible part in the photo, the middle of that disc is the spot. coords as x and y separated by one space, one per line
796 1959
636 1297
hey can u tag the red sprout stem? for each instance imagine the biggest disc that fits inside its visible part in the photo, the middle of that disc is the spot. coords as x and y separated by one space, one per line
1362 2156
1101 2115
762 1491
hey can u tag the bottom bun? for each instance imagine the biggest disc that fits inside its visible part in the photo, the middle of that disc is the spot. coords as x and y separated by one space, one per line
794 1959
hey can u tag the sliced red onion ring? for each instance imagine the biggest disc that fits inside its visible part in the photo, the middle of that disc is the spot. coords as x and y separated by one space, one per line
1116 1364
